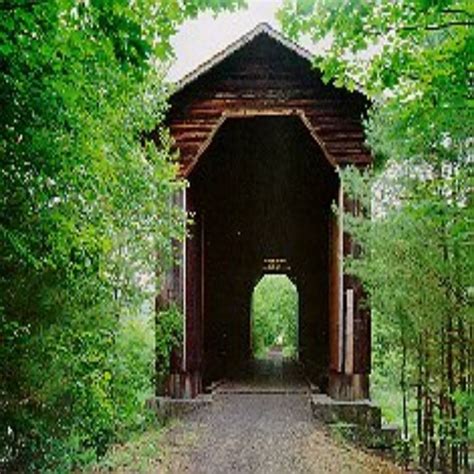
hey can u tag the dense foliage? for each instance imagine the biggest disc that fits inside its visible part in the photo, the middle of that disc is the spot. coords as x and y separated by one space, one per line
414 60
84 211
275 315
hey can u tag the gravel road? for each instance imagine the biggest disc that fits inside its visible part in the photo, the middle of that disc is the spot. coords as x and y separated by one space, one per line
261 433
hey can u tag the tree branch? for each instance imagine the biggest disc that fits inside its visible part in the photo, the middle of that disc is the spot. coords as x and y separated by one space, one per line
454 11
441 26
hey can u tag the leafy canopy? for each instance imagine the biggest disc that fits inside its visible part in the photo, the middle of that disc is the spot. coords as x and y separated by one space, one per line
86 177
413 58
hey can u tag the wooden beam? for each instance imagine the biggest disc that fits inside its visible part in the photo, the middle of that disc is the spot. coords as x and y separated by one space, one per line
349 333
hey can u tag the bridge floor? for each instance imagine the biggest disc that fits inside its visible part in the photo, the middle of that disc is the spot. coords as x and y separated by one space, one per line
274 374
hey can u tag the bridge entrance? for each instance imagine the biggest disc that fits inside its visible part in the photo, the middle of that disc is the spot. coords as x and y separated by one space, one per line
261 138
262 190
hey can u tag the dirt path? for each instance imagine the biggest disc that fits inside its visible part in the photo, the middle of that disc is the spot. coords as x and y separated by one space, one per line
260 426
261 433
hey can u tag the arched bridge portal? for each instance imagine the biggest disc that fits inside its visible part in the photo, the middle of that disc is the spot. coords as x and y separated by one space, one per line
261 139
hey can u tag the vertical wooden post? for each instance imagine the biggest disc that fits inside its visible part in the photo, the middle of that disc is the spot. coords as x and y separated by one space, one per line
349 322
349 333
193 301
172 293
184 271
336 322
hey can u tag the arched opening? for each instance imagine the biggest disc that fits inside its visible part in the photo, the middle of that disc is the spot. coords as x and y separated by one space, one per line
274 318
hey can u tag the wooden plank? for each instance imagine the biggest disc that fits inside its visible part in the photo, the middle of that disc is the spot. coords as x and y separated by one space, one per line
218 102
336 334
349 333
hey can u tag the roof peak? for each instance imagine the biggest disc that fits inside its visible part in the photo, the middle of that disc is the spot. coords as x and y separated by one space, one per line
231 48
263 26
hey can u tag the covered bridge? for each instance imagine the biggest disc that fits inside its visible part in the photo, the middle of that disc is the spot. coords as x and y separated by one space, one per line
261 139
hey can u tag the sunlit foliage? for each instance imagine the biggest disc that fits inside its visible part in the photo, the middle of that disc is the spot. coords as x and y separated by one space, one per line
84 214
275 316
413 58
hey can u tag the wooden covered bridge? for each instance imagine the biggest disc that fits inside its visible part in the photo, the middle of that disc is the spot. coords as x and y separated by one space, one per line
261 139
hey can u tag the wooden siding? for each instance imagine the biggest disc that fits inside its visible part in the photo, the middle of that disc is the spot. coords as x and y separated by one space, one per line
266 78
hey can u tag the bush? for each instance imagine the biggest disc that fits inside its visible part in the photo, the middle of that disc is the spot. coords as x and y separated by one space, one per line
87 387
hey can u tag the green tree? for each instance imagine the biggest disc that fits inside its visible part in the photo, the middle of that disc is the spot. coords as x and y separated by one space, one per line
413 59
275 315
84 209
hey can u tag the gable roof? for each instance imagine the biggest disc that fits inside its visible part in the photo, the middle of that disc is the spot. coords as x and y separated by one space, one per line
261 28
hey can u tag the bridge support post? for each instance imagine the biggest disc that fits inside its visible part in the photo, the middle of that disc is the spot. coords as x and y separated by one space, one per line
183 287
349 319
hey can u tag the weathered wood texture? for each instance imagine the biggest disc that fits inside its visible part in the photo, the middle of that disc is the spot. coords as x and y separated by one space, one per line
361 313
261 80
266 78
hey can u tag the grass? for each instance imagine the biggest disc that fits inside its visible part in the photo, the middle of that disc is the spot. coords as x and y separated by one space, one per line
143 453
388 397
390 401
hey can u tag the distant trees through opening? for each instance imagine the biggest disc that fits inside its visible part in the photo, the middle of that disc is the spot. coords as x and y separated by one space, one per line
274 313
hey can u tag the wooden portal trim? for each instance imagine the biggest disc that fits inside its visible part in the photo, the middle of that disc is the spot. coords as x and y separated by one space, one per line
274 112
336 321
184 277
340 276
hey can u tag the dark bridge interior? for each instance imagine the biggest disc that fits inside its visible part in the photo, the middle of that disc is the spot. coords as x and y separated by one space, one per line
263 190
